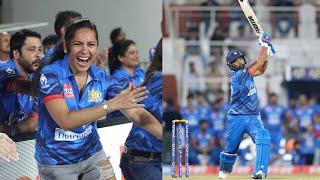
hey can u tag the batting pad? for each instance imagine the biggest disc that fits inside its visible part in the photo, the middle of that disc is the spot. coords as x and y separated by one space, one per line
263 144
227 161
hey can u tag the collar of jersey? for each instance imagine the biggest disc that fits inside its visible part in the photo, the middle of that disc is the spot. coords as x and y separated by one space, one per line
11 62
136 73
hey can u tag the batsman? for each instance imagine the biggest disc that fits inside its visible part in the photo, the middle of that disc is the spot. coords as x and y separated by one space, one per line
243 115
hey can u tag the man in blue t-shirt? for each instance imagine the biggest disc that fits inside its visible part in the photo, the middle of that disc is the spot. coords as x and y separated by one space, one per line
19 110
243 115
190 112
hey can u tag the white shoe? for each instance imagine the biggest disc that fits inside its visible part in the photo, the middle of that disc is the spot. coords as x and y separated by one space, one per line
223 174
259 175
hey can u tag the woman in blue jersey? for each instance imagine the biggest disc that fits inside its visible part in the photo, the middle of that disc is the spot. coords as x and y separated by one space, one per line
142 156
243 114
124 63
72 95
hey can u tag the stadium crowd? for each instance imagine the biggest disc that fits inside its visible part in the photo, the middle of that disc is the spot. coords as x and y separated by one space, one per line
294 129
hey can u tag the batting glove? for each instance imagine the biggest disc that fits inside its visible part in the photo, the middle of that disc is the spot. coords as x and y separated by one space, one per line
271 51
264 40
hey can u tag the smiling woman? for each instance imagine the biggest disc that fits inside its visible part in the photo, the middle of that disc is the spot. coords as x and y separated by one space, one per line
73 95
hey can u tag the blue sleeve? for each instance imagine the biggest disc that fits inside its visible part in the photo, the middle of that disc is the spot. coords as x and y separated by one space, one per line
114 87
155 85
242 74
50 87
6 75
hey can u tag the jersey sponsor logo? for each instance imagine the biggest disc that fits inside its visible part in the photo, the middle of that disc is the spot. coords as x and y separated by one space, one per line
67 90
62 135
252 90
94 96
43 82
10 71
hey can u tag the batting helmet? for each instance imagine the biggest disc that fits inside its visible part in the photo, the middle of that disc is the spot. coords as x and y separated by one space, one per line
232 56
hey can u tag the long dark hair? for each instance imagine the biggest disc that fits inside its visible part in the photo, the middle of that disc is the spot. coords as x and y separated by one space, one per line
59 53
63 18
156 64
120 48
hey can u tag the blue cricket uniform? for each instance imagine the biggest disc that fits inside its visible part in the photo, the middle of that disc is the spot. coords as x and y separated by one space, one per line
192 114
217 119
15 108
139 138
273 117
203 139
304 115
55 146
204 111
49 53
243 117
140 144
124 77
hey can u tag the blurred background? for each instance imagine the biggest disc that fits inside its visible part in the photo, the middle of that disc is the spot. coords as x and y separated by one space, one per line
198 35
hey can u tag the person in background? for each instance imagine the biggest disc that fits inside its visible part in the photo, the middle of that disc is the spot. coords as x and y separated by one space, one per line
4 47
273 117
124 65
49 42
62 19
18 107
202 143
304 113
202 106
142 156
116 35
190 112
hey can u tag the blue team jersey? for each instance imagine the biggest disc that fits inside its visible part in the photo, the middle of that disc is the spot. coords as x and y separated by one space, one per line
304 115
123 76
54 145
273 116
49 53
192 115
204 111
203 139
217 119
244 99
15 107
139 138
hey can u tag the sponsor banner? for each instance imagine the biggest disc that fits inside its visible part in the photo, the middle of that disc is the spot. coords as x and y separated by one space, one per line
279 170
303 74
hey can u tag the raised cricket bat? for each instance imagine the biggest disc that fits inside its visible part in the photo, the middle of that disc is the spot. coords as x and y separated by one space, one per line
251 16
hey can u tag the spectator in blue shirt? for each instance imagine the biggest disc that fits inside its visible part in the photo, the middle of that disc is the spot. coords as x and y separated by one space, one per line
18 109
